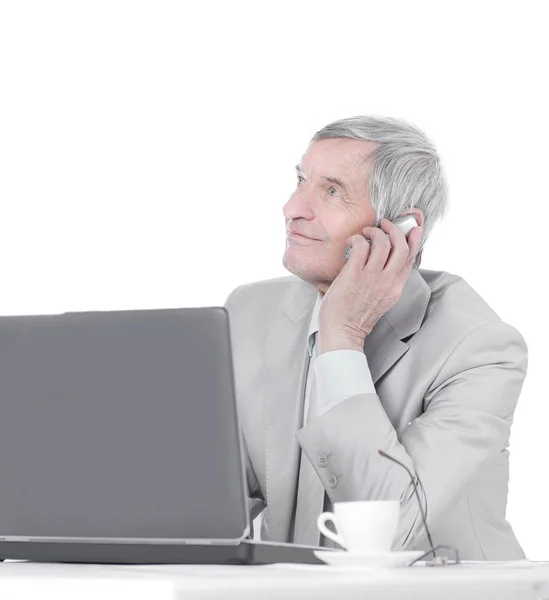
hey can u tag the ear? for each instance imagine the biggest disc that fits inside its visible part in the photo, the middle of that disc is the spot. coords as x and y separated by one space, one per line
417 213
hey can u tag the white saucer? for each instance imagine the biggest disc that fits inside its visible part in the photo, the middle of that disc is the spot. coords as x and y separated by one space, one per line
381 559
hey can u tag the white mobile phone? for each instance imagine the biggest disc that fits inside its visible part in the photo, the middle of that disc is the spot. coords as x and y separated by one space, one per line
405 223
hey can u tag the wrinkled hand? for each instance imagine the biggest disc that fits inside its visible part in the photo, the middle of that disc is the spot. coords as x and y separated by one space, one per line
368 285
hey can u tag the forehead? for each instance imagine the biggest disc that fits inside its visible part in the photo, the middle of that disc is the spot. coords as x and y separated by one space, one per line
340 155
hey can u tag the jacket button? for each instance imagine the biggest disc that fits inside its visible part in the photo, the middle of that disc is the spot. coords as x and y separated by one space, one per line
322 460
332 481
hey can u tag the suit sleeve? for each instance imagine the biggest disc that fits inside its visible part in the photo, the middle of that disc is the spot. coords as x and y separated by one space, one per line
468 412
255 500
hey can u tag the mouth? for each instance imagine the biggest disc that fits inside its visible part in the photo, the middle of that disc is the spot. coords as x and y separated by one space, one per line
296 236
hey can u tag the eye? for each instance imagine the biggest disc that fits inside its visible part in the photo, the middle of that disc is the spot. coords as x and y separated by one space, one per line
299 177
333 189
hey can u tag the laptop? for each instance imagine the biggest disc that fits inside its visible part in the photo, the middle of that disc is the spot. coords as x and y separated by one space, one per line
120 443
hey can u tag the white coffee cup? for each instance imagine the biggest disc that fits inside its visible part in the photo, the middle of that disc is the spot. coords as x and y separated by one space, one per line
364 527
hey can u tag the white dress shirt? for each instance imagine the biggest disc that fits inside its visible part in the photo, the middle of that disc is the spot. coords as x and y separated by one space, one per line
339 373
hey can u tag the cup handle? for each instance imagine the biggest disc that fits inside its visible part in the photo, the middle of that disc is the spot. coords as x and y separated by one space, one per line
321 523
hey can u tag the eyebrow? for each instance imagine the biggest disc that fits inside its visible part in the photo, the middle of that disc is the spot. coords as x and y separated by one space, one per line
335 180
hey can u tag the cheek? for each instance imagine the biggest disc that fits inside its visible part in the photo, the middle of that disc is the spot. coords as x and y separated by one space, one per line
339 234
338 228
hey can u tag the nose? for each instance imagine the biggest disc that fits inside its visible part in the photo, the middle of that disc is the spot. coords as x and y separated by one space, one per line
299 205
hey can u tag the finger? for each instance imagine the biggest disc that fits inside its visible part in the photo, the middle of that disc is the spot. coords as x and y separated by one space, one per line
381 246
360 249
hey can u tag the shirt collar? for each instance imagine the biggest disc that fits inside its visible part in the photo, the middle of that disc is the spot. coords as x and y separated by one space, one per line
313 325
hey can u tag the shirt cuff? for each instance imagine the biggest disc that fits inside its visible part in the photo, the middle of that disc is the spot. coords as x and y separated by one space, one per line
339 375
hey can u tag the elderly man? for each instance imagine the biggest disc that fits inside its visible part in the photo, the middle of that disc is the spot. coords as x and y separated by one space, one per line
342 359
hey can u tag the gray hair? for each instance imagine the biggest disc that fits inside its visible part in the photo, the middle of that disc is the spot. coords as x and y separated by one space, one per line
404 169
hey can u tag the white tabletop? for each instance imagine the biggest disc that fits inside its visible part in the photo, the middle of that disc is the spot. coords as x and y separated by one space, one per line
519 580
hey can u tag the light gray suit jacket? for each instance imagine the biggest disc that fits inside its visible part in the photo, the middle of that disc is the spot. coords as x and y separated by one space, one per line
448 373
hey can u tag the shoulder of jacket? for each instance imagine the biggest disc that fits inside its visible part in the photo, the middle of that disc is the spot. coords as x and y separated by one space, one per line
275 286
454 301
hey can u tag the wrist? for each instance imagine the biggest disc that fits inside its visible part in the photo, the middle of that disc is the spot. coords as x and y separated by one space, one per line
331 343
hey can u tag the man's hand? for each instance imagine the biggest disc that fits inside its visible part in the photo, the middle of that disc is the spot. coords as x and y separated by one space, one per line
368 285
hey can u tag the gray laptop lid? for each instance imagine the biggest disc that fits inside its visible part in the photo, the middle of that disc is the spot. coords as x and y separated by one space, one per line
120 425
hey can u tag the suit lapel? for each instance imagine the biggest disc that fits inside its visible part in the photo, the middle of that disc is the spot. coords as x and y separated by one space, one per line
384 345
286 366
287 361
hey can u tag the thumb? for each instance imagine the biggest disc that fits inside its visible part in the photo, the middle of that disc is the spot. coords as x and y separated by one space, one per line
358 249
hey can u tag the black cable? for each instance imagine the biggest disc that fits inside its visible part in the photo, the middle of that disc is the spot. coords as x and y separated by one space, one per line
432 548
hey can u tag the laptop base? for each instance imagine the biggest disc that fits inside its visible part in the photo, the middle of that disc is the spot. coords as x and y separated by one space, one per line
248 552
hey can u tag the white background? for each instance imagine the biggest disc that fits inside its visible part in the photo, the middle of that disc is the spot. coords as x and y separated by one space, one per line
147 150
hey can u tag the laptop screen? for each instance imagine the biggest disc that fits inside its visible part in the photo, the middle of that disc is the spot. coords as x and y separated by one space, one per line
120 425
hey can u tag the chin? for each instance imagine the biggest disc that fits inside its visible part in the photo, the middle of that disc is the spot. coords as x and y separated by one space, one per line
308 272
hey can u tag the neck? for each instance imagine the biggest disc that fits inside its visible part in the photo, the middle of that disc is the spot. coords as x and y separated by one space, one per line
322 288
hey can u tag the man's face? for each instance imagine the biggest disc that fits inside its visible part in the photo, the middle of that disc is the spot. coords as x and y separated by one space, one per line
326 210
